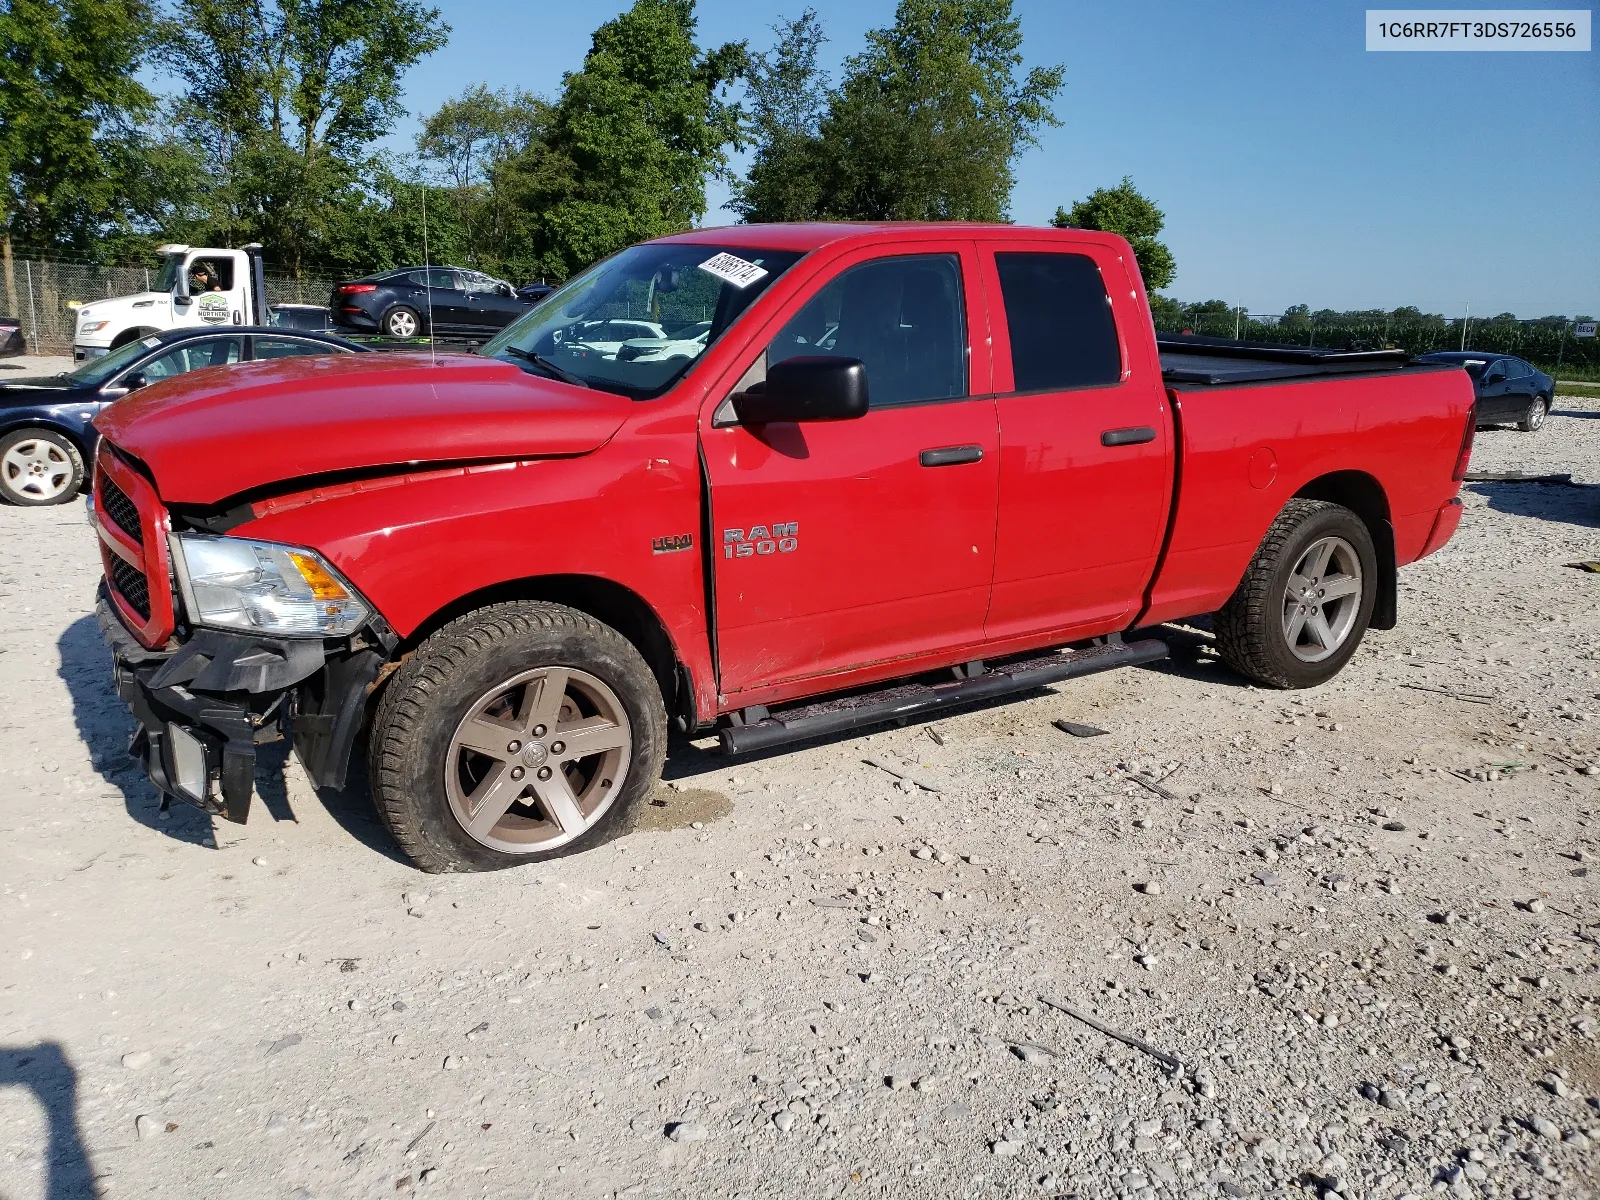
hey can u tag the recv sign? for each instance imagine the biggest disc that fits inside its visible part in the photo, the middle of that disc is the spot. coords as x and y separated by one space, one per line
1583 329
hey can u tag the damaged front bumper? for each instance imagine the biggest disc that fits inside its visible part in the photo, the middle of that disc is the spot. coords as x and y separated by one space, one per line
203 708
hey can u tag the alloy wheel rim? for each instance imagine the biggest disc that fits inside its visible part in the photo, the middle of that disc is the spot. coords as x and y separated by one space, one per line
402 324
538 760
37 469
1322 599
1536 417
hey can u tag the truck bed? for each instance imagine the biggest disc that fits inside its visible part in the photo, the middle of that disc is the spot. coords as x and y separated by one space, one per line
1194 360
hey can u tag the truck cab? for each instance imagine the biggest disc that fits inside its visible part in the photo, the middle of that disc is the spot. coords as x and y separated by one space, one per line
195 286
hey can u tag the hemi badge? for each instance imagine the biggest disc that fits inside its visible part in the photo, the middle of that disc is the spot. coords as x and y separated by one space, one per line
672 543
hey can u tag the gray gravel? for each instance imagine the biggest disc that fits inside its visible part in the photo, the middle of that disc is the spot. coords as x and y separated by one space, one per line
811 977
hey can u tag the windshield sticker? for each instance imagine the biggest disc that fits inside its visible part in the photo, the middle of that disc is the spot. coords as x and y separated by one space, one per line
151 343
730 268
213 308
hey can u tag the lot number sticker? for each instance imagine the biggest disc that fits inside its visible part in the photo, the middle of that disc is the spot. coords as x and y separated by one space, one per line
730 268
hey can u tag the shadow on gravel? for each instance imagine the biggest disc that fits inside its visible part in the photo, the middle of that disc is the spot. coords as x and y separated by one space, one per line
45 1070
352 809
1572 503
105 725
1581 414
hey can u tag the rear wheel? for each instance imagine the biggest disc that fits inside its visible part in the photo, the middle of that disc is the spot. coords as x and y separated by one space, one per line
1306 599
402 322
1533 420
518 733
38 467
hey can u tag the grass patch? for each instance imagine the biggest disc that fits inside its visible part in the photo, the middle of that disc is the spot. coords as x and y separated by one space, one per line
1588 390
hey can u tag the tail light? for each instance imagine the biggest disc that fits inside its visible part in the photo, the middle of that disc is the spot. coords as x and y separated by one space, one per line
1464 455
350 289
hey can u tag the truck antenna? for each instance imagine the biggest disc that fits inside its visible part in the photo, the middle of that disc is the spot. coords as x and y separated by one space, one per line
427 269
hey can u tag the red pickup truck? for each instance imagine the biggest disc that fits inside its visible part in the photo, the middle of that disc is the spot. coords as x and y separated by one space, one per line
786 481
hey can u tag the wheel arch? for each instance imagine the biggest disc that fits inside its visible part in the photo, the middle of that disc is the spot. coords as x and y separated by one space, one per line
603 599
1363 495
131 335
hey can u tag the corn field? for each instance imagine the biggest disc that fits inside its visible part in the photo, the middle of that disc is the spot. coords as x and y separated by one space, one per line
1551 348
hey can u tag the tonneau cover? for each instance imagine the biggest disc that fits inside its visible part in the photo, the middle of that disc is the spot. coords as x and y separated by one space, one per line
1188 358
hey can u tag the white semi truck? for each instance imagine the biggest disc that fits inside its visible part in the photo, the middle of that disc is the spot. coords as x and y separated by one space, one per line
197 285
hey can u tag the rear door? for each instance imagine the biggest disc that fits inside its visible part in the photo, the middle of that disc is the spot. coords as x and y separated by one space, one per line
450 305
841 544
1086 444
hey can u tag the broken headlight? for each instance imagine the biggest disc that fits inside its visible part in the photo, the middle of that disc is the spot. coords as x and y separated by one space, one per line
264 587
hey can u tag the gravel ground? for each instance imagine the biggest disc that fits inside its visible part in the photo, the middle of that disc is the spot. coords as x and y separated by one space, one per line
1363 920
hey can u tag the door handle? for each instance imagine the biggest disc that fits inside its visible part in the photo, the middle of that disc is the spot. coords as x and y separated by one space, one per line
1136 435
950 456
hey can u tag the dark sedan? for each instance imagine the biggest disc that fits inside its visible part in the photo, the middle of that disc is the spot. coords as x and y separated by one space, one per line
1510 391
45 431
410 301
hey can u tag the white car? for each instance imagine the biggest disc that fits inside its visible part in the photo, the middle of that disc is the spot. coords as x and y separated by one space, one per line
688 342
605 338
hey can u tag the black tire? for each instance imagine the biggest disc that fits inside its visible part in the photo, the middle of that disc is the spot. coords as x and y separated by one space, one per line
1533 420
1250 627
433 694
403 322
60 472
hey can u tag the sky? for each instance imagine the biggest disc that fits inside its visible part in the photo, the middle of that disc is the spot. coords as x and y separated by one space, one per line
1294 166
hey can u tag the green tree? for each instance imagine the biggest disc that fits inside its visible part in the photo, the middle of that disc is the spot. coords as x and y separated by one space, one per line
1296 316
629 143
931 117
468 139
71 107
788 96
285 98
1126 210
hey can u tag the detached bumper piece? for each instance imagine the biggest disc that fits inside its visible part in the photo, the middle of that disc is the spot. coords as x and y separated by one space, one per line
205 707
901 704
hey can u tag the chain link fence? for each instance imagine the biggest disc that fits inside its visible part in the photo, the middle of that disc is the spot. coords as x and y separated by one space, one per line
44 296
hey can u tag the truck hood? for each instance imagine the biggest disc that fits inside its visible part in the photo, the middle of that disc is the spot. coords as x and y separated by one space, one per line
216 433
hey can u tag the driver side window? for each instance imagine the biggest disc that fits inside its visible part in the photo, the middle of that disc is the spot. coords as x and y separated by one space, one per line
902 317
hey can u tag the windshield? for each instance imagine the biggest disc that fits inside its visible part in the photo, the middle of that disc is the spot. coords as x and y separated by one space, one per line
168 275
636 322
97 370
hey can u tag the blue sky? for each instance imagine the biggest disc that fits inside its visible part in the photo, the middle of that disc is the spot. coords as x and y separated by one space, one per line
1293 165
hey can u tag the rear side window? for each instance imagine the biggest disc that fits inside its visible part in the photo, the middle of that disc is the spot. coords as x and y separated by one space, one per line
1062 334
291 347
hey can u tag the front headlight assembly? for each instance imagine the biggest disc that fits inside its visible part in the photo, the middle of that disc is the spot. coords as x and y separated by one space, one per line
264 587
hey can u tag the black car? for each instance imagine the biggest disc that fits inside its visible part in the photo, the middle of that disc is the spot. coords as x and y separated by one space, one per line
314 317
410 301
535 292
11 341
1509 390
46 435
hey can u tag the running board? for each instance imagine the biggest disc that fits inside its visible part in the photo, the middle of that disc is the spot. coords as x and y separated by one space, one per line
901 704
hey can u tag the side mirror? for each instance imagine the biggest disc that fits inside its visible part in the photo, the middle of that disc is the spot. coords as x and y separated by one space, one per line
506 290
812 387
135 380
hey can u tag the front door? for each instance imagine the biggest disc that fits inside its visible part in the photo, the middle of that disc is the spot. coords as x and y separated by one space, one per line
216 291
448 307
1495 402
491 305
1086 451
842 544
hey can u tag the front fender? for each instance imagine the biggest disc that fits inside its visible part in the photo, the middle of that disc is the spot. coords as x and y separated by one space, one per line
415 545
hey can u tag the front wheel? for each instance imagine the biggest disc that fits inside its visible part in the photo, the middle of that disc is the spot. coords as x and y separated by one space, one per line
517 733
1533 420
39 466
1305 601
